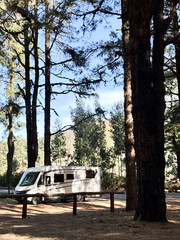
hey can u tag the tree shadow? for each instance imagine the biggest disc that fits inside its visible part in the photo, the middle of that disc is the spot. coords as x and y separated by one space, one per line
93 221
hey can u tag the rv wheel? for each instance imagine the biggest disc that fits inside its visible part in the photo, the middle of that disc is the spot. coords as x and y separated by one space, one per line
35 200
20 201
80 198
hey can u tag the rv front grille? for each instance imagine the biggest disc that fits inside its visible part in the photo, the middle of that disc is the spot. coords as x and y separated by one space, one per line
22 192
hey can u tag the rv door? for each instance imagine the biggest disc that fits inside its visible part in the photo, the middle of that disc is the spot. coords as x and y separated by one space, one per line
41 184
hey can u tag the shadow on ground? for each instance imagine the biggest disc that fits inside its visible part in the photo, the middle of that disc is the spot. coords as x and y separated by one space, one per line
94 221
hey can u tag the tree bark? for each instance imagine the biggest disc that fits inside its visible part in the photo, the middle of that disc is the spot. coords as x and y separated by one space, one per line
178 163
177 151
47 134
35 92
177 57
10 141
31 163
150 162
177 51
131 181
159 105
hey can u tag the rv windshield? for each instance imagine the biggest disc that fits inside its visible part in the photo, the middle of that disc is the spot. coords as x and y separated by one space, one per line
29 179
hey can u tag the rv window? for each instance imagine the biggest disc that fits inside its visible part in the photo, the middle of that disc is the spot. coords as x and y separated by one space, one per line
70 176
58 178
29 179
41 180
90 174
48 180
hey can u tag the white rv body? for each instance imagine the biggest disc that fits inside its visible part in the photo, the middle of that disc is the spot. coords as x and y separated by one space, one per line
59 179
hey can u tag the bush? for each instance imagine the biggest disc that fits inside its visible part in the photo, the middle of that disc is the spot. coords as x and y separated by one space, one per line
3 180
15 179
113 182
173 187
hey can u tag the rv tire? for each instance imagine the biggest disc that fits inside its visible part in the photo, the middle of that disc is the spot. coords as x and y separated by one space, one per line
80 198
35 200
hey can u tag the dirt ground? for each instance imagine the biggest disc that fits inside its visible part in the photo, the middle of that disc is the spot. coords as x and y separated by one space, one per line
93 221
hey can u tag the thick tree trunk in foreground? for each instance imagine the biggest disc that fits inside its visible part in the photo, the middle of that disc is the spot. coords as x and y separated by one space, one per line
131 181
150 160
159 105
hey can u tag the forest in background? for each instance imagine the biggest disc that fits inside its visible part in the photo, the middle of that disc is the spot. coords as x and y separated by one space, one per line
68 144
64 150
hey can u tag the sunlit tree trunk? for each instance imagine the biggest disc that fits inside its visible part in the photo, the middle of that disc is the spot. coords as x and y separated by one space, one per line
131 186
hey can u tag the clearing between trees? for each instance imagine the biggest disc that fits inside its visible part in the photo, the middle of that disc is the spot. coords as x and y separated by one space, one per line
54 221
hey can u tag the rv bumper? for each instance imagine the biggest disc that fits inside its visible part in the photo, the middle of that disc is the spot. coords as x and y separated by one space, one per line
20 199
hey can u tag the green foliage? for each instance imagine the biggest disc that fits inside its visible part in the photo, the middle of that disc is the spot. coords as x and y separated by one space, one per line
20 155
112 181
171 165
118 132
40 158
14 180
172 120
10 91
77 56
90 143
174 187
118 135
58 146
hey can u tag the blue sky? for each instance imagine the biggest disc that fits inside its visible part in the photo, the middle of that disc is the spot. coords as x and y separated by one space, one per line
108 95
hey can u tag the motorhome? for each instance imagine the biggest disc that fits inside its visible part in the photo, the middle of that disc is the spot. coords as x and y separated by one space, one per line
59 179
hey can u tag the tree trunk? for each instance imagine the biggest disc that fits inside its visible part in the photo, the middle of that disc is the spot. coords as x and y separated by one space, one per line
150 164
131 186
35 92
177 51
10 141
159 105
177 151
178 162
177 57
31 163
47 160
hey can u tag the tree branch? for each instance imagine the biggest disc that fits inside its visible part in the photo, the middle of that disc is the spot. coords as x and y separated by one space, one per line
99 111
